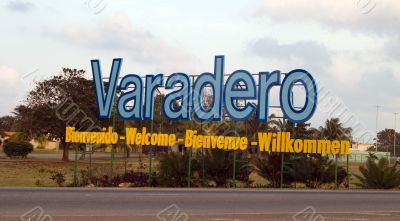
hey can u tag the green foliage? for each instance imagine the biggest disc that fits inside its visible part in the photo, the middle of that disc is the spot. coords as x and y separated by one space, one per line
316 170
269 167
311 170
173 170
377 174
135 179
218 164
19 137
17 148
87 177
334 130
51 106
6 123
58 177
386 137
219 167
385 141
373 148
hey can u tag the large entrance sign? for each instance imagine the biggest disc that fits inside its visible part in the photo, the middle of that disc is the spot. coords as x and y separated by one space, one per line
136 102
225 94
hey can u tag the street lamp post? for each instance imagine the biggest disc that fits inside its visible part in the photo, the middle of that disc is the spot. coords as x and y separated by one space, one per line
376 128
394 137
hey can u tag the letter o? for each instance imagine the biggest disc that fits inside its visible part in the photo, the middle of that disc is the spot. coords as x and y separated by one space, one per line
298 146
114 138
154 139
295 76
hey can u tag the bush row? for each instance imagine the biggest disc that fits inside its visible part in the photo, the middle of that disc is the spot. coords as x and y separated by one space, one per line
313 171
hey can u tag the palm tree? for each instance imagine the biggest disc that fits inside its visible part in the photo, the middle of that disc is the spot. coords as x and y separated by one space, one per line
299 130
334 130
280 124
268 166
316 170
254 126
378 174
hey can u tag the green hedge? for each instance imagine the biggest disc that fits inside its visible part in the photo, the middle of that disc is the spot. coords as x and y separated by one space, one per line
17 148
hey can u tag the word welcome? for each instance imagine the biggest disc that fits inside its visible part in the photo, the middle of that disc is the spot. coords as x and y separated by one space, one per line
225 94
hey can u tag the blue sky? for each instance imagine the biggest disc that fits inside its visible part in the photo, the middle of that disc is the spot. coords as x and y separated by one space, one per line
350 46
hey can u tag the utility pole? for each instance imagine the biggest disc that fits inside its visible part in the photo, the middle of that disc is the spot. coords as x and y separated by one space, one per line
376 128
394 137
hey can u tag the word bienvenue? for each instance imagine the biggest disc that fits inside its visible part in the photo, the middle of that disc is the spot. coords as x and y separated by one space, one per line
140 94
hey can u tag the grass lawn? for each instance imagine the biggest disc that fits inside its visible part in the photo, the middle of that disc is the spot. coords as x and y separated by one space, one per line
37 172
26 173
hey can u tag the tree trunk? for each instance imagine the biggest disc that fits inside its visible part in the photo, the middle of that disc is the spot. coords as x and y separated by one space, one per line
65 156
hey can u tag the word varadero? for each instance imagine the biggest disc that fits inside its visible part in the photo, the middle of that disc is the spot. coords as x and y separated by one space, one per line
139 94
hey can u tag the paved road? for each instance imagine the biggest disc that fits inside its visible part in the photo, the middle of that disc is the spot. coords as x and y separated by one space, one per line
196 204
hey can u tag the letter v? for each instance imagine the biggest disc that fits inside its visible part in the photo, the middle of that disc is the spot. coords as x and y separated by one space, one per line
104 102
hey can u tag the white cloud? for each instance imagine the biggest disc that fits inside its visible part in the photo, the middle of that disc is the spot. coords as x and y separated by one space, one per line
346 68
392 49
10 90
8 76
356 15
363 79
298 54
360 78
20 6
119 34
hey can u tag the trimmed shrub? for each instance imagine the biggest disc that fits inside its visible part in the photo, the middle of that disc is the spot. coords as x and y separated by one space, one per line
17 149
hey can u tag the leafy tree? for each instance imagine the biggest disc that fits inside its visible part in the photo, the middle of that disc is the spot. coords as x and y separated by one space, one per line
386 139
6 123
378 174
66 99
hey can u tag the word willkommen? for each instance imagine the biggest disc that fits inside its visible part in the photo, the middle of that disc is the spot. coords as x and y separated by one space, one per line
282 142
140 96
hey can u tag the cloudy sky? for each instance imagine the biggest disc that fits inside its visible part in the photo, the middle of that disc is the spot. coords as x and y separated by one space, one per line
352 47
